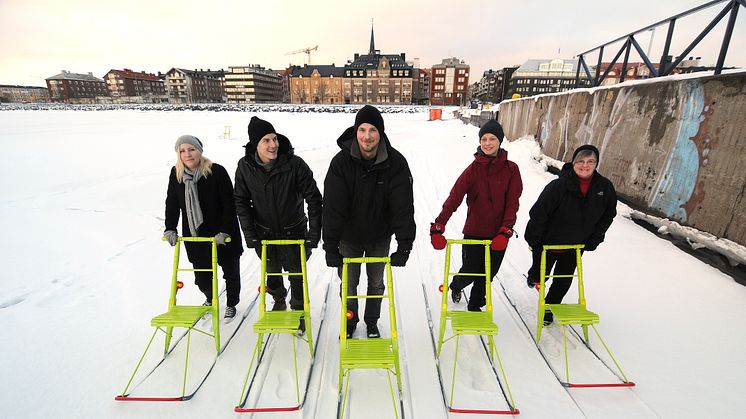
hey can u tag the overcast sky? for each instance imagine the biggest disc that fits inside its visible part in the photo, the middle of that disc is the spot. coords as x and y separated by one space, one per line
39 38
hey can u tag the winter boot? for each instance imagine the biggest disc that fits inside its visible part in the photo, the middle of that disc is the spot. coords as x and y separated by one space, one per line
456 296
280 305
373 331
350 329
548 318
301 327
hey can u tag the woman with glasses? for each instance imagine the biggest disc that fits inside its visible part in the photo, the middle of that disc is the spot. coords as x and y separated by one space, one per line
576 208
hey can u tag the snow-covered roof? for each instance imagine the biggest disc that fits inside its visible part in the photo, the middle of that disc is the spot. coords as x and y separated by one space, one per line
66 75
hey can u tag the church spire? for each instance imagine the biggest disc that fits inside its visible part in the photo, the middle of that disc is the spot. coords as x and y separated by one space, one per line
372 41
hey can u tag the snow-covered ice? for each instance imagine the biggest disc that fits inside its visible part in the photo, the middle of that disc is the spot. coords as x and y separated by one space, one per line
84 270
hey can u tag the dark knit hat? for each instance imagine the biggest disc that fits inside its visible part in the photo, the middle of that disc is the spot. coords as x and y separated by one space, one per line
589 148
371 115
258 128
492 127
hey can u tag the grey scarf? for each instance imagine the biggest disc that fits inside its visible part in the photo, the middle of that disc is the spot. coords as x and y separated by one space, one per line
193 210
266 166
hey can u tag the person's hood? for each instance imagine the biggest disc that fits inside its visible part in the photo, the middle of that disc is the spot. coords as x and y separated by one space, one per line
284 147
481 158
348 143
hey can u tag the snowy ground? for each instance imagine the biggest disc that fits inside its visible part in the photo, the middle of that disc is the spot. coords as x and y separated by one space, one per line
85 270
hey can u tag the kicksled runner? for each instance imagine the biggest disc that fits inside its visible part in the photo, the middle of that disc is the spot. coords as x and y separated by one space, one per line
471 325
276 325
571 317
167 380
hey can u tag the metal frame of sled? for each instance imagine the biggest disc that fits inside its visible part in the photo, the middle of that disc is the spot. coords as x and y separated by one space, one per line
569 314
182 316
278 322
375 353
471 323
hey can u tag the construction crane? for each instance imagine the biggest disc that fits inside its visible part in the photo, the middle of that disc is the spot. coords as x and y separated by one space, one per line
305 50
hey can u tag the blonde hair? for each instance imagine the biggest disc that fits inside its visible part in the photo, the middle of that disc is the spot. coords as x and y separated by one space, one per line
205 166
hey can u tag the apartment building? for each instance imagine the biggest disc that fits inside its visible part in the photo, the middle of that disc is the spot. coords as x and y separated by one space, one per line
23 94
253 84
195 86
316 84
535 77
377 78
76 88
127 86
449 82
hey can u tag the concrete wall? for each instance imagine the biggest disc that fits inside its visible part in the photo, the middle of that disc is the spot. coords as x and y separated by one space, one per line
673 147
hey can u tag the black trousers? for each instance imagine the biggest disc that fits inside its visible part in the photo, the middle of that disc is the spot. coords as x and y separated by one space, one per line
285 258
564 263
374 271
201 258
472 261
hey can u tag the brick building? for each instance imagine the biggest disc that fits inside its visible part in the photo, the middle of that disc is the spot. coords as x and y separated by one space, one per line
421 86
316 84
493 86
127 86
195 86
378 78
23 94
76 88
449 82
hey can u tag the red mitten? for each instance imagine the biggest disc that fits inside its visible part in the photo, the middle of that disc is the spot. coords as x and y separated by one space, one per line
436 236
500 242
438 241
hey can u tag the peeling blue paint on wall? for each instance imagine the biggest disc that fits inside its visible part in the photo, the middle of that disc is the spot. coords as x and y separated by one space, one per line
679 176
543 134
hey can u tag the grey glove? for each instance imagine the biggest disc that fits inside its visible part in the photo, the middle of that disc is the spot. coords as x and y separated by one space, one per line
171 236
220 238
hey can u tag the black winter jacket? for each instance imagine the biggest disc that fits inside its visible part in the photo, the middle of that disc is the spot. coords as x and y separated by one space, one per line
365 203
218 209
562 215
270 205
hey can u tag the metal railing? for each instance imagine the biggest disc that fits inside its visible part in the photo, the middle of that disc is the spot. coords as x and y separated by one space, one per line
665 68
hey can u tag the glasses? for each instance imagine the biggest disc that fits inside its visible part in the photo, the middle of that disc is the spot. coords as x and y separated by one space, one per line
590 162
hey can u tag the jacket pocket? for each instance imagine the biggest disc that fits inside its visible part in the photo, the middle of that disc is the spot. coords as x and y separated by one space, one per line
262 232
297 229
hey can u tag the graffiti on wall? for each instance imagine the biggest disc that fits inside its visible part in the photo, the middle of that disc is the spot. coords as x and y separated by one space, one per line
678 180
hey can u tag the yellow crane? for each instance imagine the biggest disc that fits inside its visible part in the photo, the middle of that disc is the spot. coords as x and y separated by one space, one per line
307 51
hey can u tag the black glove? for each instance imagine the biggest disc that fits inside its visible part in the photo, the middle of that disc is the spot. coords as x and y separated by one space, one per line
311 243
590 246
399 258
256 245
333 258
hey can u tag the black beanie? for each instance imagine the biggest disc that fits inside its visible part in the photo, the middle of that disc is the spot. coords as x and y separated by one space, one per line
258 128
371 115
492 127
586 147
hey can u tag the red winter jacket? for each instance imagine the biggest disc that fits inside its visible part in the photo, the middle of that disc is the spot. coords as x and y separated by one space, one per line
492 186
